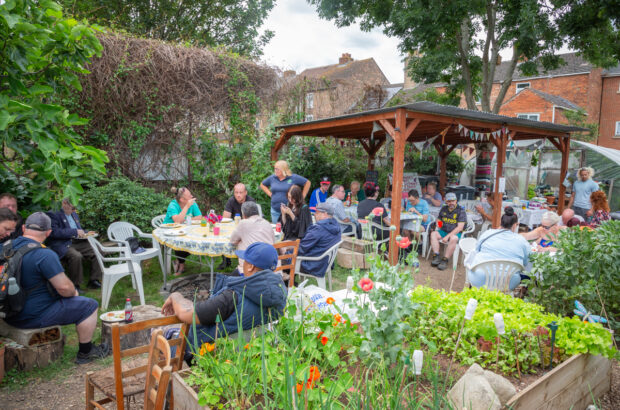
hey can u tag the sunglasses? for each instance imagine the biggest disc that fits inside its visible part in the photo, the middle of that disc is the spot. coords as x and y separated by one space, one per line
547 227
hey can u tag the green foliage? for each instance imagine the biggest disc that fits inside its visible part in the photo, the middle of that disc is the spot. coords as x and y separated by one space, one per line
430 94
579 119
586 265
42 54
121 200
427 164
231 23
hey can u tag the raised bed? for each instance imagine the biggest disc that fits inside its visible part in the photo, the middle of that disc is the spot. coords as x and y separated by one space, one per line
185 398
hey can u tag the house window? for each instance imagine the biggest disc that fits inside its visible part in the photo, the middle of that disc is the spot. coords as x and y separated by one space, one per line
617 129
309 117
533 117
521 87
310 100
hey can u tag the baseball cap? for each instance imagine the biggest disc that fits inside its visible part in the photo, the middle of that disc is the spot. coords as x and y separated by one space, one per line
325 207
260 254
38 221
450 196
325 180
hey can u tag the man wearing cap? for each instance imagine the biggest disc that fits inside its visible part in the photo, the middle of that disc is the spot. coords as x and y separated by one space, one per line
67 240
450 223
259 296
51 298
320 236
319 195
339 213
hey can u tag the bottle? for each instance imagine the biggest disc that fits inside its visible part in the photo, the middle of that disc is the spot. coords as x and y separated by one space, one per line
13 286
128 311
237 219
15 300
188 220
203 222
349 199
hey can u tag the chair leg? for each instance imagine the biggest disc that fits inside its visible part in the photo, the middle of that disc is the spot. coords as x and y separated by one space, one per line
105 291
90 391
455 257
138 275
321 282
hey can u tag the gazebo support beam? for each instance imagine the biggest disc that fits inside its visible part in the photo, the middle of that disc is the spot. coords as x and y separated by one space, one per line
372 147
443 153
501 145
284 137
565 149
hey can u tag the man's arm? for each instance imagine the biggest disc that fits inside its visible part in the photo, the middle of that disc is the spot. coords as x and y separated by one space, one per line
235 238
63 285
182 308
58 231
459 228
572 198
306 188
228 210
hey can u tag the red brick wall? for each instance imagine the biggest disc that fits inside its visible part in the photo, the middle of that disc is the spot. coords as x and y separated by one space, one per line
530 103
610 113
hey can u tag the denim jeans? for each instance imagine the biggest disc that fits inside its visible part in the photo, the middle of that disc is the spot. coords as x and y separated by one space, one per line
275 215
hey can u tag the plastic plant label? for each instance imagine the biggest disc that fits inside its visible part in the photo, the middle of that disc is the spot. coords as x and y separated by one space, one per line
418 361
349 283
470 309
499 323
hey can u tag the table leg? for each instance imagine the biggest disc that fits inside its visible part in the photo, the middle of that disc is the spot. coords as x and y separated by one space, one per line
211 264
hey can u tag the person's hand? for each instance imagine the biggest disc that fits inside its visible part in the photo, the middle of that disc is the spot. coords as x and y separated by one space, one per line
167 309
480 209
589 213
190 202
91 232
80 232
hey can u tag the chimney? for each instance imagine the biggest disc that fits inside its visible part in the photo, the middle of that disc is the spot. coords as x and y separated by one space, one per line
289 74
345 58
409 83
499 60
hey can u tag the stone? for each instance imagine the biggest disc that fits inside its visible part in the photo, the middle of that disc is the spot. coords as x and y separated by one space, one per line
501 386
30 337
349 259
474 392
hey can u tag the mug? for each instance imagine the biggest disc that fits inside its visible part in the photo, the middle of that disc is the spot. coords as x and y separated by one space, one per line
216 230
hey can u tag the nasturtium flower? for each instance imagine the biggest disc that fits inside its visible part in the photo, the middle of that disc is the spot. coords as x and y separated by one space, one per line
330 300
206 347
324 340
314 373
247 346
365 284
299 387
319 335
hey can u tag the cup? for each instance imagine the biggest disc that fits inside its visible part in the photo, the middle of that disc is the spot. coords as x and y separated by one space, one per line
278 227
216 230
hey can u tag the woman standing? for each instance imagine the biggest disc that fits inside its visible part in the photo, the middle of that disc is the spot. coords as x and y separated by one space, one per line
276 187
295 216
600 209
179 209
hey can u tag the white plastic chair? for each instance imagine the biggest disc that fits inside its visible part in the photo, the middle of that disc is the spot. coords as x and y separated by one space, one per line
485 225
260 210
353 230
368 234
330 254
119 232
497 273
113 273
470 226
158 221
426 234
466 245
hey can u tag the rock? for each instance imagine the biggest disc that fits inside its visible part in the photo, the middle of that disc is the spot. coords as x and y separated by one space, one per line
474 392
501 386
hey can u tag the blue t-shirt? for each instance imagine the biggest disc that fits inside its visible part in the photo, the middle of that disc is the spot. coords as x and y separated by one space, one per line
316 198
279 189
504 244
174 209
421 207
38 266
583 190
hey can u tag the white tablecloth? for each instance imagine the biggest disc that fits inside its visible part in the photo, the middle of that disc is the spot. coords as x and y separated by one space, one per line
529 217
408 220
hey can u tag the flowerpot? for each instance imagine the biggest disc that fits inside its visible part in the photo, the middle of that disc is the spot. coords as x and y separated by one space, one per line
550 199
185 397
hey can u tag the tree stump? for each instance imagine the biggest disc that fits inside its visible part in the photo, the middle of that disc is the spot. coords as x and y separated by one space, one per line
30 337
27 357
143 337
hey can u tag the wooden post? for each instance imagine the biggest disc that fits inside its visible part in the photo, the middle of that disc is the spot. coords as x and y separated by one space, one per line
443 171
279 144
499 171
372 147
565 144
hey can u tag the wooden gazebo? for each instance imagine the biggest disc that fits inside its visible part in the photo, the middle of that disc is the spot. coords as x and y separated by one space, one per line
445 127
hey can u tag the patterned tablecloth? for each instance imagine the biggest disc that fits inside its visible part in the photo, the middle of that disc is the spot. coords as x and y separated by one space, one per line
529 217
408 220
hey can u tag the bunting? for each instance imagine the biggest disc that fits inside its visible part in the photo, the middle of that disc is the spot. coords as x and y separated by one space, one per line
480 136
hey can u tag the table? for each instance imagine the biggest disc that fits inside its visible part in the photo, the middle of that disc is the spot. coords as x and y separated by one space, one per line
472 214
408 220
529 217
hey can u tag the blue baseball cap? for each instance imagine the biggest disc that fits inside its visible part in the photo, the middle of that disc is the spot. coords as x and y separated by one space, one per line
260 254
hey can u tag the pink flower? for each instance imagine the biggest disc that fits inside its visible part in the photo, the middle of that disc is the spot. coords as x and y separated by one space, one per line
378 211
404 243
365 284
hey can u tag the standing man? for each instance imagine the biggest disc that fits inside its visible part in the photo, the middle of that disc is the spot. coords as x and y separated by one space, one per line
233 206
8 221
450 222
582 189
67 240
10 202
319 195
339 213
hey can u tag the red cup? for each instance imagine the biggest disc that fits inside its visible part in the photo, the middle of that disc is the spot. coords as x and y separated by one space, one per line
216 230
278 227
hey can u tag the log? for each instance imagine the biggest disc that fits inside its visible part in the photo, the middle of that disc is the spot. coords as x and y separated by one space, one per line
357 245
134 339
349 259
30 337
28 357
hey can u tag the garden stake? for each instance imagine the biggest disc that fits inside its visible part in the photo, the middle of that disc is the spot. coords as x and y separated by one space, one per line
453 274
514 336
498 319
553 326
613 339
469 313
542 363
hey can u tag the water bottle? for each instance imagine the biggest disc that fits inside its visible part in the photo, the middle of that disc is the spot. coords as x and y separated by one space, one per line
128 311
237 219
188 220
13 287
15 298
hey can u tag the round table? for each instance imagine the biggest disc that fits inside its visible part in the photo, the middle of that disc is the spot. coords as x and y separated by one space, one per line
408 220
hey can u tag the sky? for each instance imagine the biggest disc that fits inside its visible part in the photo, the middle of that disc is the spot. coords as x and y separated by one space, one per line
303 40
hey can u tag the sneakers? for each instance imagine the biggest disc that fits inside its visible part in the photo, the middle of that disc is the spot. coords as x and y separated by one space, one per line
96 352
443 264
436 260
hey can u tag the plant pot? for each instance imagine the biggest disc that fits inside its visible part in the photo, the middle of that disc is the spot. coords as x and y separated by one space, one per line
185 398
550 199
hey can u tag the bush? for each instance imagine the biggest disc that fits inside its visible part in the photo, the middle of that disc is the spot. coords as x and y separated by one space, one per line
585 266
121 200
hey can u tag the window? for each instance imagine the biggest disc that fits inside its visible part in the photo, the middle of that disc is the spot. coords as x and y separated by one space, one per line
309 117
617 129
521 87
533 117
310 100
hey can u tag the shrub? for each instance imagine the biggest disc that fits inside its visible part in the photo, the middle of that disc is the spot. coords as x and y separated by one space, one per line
121 200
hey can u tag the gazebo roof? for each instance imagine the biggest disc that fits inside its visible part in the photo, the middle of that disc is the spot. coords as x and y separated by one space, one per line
434 119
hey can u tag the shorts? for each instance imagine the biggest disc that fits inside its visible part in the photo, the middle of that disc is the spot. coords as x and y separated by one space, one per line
65 311
443 233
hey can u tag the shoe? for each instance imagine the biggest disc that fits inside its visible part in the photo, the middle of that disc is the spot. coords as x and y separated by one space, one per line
436 260
80 291
96 352
94 284
443 264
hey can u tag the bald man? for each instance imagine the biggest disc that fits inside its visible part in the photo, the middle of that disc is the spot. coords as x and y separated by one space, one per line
232 208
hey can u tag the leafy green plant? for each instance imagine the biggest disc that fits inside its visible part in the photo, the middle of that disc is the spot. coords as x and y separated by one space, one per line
121 200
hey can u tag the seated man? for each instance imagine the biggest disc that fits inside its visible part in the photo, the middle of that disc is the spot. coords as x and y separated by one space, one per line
251 229
336 202
419 207
68 242
432 196
232 209
259 295
58 304
357 194
8 222
320 236
567 215
319 195
366 207
485 209
450 223
9 201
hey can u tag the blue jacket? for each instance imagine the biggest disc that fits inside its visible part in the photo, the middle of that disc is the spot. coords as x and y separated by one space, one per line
60 238
319 237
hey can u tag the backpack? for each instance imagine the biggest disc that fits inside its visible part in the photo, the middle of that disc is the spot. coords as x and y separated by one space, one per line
11 267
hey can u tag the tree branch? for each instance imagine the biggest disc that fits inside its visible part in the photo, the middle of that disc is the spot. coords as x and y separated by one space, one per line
507 81
462 38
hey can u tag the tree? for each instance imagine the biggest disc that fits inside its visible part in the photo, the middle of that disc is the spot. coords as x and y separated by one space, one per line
458 41
232 23
41 56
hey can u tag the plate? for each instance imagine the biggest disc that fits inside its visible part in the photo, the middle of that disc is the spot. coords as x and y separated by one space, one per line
226 220
170 225
86 235
114 316
196 221
175 233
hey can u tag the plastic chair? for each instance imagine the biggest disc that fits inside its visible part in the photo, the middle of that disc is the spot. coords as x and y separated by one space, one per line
497 273
119 232
330 254
114 273
485 225
426 234
351 224
466 245
369 235
260 209
158 221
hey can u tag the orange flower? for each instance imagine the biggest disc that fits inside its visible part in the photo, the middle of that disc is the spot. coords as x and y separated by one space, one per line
247 346
319 335
309 384
299 387
210 347
330 300
337 317
324 340
314 373
206 347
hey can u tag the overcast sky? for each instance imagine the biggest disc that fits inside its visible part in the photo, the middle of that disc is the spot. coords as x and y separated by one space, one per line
303 40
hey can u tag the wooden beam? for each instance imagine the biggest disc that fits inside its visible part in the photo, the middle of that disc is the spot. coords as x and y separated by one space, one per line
565 149
558 143
387 127
341 122
412 126
499 171
284 136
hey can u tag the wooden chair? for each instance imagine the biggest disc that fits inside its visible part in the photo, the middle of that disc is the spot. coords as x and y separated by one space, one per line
128 378
157 377
291 256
